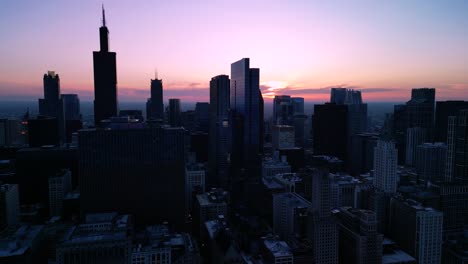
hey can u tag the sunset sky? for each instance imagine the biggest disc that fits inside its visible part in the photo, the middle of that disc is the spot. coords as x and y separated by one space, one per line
302 47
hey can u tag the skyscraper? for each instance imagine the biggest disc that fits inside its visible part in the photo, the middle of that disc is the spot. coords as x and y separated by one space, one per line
154 105
385 166
443 111
174 115
282 110
430 161
415 136
105 77
420 109
219 131
461 147
329 124
52 104
71 105
245 102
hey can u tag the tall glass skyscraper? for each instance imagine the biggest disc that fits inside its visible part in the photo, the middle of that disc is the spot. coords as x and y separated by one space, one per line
245 111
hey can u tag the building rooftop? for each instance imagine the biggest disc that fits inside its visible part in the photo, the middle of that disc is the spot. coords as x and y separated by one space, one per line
19 242
277 248
215 196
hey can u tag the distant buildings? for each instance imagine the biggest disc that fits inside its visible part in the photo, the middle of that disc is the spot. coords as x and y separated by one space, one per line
155 105
105 78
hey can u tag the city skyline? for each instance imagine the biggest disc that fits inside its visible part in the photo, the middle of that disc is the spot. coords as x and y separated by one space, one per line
303 48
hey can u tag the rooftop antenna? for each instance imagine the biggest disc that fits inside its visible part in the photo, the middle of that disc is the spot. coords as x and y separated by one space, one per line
103 16
155 73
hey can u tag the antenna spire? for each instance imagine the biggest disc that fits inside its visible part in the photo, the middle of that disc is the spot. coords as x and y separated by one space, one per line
103 16
155 73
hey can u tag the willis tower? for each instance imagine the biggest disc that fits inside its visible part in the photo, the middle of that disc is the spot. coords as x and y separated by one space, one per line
105 77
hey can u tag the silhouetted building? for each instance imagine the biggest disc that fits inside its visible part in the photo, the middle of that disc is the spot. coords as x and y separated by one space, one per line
417 229
9 205
362 147
430 161
385 166
359 241
202 117
322 230
59 186
443 111
400 125
461 147
289 215
330 134
174 113
219 131
52 105
245 102
105 78
10 132
421 109
43 131
103 238
134 171
155 105
283 110
71 105
282 137
415 136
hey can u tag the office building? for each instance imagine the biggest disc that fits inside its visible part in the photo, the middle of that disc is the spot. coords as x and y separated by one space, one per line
208 206
451 147
385 166
10 132
322 230
276 251
134 171
195 174
461 147
71 106
417 229
51 105
174 115
102 238
245 109
362 149
289 215
421 109
155 105
219 131
43 131
359 241
330 130
105 78
430 161
202 117
275 165
444 109
282 137
59 186
415 136
9 205
25 245
283 110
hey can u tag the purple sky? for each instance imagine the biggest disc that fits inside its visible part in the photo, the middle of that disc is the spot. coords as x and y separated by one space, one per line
301 47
